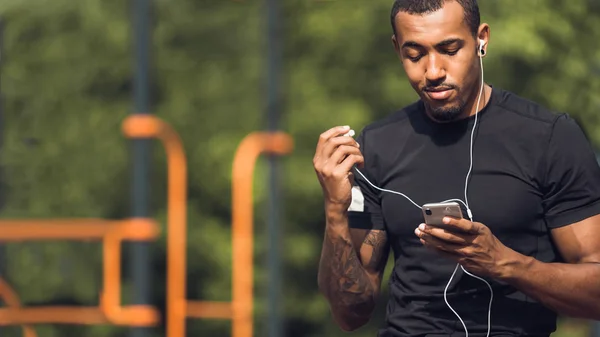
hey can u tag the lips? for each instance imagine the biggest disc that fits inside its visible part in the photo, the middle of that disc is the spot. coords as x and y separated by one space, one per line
439 93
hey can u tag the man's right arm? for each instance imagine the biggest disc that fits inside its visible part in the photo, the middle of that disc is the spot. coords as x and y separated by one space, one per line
350 270
352 260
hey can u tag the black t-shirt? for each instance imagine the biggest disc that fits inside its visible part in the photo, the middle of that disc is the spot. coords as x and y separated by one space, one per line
533 171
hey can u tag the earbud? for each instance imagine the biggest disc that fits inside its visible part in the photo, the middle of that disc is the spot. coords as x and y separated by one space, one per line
481 45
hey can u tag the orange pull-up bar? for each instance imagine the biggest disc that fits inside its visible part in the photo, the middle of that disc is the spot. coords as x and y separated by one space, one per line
239 310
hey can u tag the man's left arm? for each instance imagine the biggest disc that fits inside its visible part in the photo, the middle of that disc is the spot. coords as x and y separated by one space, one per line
571 204
571 288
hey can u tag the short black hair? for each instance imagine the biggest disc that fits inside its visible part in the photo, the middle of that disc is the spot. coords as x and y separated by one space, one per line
471 10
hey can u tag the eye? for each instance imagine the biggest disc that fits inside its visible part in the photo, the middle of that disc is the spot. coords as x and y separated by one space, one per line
451 52
414 58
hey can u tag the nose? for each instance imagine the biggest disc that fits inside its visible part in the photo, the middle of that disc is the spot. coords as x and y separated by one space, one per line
435 72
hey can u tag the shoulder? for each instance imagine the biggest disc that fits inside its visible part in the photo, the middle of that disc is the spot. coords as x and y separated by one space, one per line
536 119
528 111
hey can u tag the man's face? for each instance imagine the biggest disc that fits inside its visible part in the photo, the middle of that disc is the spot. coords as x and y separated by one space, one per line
439 56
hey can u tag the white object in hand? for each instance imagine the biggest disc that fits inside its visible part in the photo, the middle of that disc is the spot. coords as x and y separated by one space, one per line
350 133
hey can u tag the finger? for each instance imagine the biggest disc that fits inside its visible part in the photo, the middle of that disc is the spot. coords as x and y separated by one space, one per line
341 153
333 143
349 162
325 137
443 234
463 225
326 150
333 132
437 244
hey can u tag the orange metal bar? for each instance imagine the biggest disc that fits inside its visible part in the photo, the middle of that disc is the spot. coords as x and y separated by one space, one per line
148 126
76 229
113 232
243 170
11 299
58 315
201 309
132 315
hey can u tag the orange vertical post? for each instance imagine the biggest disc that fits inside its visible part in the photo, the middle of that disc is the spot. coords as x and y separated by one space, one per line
147 126
242 228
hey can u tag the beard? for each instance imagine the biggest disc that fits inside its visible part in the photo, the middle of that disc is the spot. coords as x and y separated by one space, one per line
447 113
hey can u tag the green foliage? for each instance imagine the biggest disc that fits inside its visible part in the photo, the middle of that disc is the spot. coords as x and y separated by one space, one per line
67 85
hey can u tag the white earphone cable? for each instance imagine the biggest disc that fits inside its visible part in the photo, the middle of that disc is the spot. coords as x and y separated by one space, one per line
465 203
470 214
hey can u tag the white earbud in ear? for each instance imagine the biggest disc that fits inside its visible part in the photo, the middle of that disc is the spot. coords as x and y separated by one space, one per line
481 45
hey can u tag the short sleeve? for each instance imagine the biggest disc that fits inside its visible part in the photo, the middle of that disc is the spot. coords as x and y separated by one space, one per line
365 210
572 181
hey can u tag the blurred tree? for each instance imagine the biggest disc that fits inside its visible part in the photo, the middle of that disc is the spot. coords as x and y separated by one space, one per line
67 82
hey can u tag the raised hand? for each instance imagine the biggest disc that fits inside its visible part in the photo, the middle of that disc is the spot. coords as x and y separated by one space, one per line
334 158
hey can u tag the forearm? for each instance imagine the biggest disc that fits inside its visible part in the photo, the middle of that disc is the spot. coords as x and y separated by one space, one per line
342 278
568 289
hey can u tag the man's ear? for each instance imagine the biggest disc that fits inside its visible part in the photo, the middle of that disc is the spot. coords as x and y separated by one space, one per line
396 45
483 36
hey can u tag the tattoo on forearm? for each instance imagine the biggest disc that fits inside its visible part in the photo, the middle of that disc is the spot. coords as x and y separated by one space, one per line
349 284
377 240
352 276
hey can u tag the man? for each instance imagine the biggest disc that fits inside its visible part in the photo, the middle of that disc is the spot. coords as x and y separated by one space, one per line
534 193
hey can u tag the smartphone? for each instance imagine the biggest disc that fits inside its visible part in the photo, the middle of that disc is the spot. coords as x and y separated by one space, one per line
434 213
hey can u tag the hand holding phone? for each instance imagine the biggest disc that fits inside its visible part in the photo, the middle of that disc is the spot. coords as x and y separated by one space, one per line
434 213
